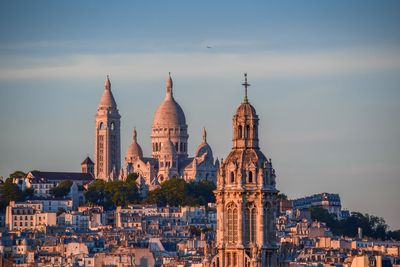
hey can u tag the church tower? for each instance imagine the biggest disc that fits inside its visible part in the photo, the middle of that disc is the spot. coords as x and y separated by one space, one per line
246 198
108 140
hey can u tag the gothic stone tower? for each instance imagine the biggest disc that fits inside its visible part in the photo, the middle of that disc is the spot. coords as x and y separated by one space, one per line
246 198
108 143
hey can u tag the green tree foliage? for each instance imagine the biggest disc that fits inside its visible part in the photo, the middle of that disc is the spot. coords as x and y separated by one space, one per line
9 192
17 174
176 192
62 189
394 235
282 196
112 194
372 226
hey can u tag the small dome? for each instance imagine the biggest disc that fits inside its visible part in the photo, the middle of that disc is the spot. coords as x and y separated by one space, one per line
169 113
107 99
204 147
246 109
134 149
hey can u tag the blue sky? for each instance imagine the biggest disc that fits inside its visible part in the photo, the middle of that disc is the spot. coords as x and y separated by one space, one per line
325 82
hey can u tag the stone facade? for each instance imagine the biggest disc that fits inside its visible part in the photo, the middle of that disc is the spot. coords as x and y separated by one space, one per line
169 156
245 199
108 139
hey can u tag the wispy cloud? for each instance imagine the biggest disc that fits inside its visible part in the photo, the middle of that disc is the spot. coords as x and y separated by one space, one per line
147 65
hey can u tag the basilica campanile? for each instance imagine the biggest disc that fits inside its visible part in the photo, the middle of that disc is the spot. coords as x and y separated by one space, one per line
108 140
246 198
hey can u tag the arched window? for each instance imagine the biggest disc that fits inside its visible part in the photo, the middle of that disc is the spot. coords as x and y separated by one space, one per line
112 126
232 221
250 176
101 126
247 132
250 223
240 132
253 225
268 222
232 180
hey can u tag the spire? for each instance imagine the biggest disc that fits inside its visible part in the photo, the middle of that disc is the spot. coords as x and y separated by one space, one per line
204 135
245 84
169 85
134 134
107 83
107 99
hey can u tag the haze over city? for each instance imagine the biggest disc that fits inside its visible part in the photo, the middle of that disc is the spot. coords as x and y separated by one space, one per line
324 79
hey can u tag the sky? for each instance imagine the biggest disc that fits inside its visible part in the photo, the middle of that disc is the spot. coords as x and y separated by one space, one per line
324 78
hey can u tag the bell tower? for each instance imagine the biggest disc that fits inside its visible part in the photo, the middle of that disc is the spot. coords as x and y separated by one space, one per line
246 198
108 139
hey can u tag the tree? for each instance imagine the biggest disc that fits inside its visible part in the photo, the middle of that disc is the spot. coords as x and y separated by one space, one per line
112 194
9 192
176 192
282 196
62 189
395 235
17 174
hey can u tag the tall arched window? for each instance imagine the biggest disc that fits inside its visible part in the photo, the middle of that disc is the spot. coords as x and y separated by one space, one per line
254 225
240 132
232 221
250 217
101 126
268 217
247 132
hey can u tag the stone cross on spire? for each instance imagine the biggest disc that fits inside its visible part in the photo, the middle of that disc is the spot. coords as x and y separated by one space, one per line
245 84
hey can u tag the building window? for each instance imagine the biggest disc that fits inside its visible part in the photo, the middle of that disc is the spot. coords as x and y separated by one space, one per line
232 223
250 223
250 176
232 177
240 130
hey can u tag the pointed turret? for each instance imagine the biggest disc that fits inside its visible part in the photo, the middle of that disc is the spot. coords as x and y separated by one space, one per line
107 99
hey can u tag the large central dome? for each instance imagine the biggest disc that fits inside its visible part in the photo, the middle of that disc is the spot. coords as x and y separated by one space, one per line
169 114
169 121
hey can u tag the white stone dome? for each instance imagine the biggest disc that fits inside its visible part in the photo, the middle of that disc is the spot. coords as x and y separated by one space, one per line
169 113
134 149
107 99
